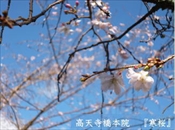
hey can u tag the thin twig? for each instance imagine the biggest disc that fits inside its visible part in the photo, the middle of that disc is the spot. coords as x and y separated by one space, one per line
127 67
167 107
30 9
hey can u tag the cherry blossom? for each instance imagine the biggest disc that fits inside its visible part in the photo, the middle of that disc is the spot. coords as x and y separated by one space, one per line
97 2
141 48
123 54
76 22
65 29
100 14
140 80
54 13
122 24
105 26
100 24
111 82
103 13
150 43
113 29
156 17
32 58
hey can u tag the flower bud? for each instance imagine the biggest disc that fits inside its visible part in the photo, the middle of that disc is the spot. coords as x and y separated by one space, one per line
68 6
5 13
66 11
83 79
151 64
160 66
158 60
77 3
149 60
146 68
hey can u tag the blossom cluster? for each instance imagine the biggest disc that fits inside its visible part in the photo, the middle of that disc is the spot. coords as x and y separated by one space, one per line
100 20
139 80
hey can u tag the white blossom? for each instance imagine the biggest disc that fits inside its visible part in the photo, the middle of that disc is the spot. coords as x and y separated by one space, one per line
98 2
113 29
95 22
111 82
65 29
101 25
54 13
156 17
123 54
32 58
122 24
76 22
127 42
78 30
104 25
100 14
140 80
150 43
103 13
141 48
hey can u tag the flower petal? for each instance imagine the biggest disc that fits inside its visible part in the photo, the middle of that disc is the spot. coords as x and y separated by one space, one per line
117 89
145 73
120 81
105 76
130 73
150 80
134 79
111 82
137 85
105 86
148 83
146 87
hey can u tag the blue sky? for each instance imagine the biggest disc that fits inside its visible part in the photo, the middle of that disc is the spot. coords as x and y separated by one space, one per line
31 40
